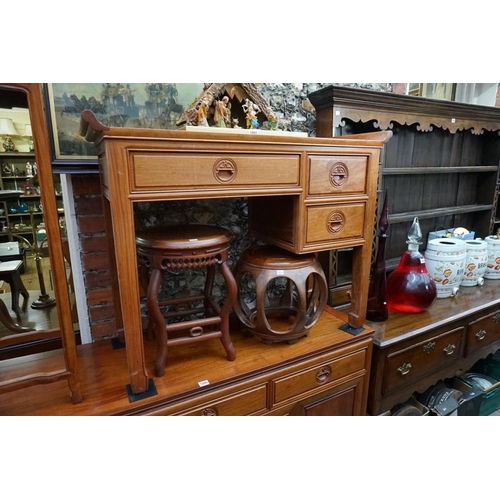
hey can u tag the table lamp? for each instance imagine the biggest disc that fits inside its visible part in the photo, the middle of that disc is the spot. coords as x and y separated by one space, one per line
7 129
29 134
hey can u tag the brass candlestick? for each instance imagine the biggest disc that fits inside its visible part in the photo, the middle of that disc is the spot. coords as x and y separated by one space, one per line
44 300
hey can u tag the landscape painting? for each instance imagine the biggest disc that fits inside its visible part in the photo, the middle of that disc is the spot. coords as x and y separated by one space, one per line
139 105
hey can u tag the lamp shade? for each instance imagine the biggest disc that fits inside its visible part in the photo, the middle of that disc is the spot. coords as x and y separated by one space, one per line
7 127
27 131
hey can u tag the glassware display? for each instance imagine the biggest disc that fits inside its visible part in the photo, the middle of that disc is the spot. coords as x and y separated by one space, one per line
410 288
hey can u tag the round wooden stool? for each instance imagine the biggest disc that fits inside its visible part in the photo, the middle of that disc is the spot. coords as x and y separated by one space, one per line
280 295
177 248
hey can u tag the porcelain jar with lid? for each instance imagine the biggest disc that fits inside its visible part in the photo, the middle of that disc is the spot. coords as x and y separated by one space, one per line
476 261
493 266
445 259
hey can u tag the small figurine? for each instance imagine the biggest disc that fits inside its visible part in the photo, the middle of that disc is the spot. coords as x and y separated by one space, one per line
221 115
29 169
203 113
273 122
251 111
236 123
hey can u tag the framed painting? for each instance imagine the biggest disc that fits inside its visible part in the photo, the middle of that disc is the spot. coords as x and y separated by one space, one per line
138 105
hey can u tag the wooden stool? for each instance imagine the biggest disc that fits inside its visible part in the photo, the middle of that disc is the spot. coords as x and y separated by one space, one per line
186 247
10 272
273 316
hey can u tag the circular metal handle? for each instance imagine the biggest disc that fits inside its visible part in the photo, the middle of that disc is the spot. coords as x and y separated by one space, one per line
323 374
209 412
496 318
449 349
480 334
404 369
429 347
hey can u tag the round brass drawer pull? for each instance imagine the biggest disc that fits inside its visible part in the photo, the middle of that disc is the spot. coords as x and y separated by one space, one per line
429 347
449 349
480 334
323 374
404 369
209 412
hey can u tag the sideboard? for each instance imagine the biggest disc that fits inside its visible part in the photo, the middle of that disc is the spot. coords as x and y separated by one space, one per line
411 352
305 195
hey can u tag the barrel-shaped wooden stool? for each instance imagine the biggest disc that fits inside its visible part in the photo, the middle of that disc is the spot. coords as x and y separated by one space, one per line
280 295
177 248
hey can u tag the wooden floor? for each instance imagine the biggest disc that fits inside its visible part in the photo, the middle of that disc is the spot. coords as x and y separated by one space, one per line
104 374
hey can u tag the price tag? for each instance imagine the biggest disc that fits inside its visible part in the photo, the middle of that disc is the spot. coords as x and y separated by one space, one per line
280 273
203 383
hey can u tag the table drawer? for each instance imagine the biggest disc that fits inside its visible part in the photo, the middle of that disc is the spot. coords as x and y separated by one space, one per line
322 375
335 222
191 170
411 364
482 332
244 403
337 175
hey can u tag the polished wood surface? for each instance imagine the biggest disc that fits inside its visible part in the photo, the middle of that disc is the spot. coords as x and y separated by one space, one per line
414 351
68 370
327 369
228 165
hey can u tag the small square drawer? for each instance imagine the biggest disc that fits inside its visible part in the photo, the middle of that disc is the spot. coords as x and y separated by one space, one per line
482 332
410 365
319 376
335 222
330 175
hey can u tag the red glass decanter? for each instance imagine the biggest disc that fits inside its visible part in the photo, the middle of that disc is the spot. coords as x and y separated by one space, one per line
410 288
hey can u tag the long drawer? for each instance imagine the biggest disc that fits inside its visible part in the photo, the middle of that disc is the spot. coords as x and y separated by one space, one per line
410 365
183 170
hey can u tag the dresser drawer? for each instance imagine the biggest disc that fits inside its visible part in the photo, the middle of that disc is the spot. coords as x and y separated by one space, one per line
410 365
482 332
247 402
334 222
318 376
330 175
191 170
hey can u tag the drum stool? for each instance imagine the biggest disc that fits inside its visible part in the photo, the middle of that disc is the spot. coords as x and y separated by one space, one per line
272 316
179 248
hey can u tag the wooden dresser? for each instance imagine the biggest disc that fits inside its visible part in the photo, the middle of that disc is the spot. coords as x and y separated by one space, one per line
414 351
305 195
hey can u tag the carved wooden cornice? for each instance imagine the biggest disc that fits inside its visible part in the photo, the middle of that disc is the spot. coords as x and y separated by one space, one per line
386 108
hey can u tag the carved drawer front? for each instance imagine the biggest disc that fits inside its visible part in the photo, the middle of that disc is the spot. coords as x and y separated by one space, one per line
482 332
184 171
335 222
337 175
317 377
244 403
411 364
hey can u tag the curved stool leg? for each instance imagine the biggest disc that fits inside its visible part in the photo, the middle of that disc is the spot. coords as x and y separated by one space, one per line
224 314
158 322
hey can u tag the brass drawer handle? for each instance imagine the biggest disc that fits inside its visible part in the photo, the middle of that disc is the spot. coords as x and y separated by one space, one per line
496 318
449 349
405 368
480 334
209 412
429 347
323 374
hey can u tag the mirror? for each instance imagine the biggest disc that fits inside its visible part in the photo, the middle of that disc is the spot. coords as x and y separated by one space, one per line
36 313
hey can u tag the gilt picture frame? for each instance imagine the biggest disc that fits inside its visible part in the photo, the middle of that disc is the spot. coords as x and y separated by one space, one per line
138 105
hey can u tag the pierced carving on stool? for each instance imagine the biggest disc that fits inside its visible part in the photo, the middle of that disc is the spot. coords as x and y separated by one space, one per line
280 295
181 320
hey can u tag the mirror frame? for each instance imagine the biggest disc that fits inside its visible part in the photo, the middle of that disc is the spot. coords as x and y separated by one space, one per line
36 108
